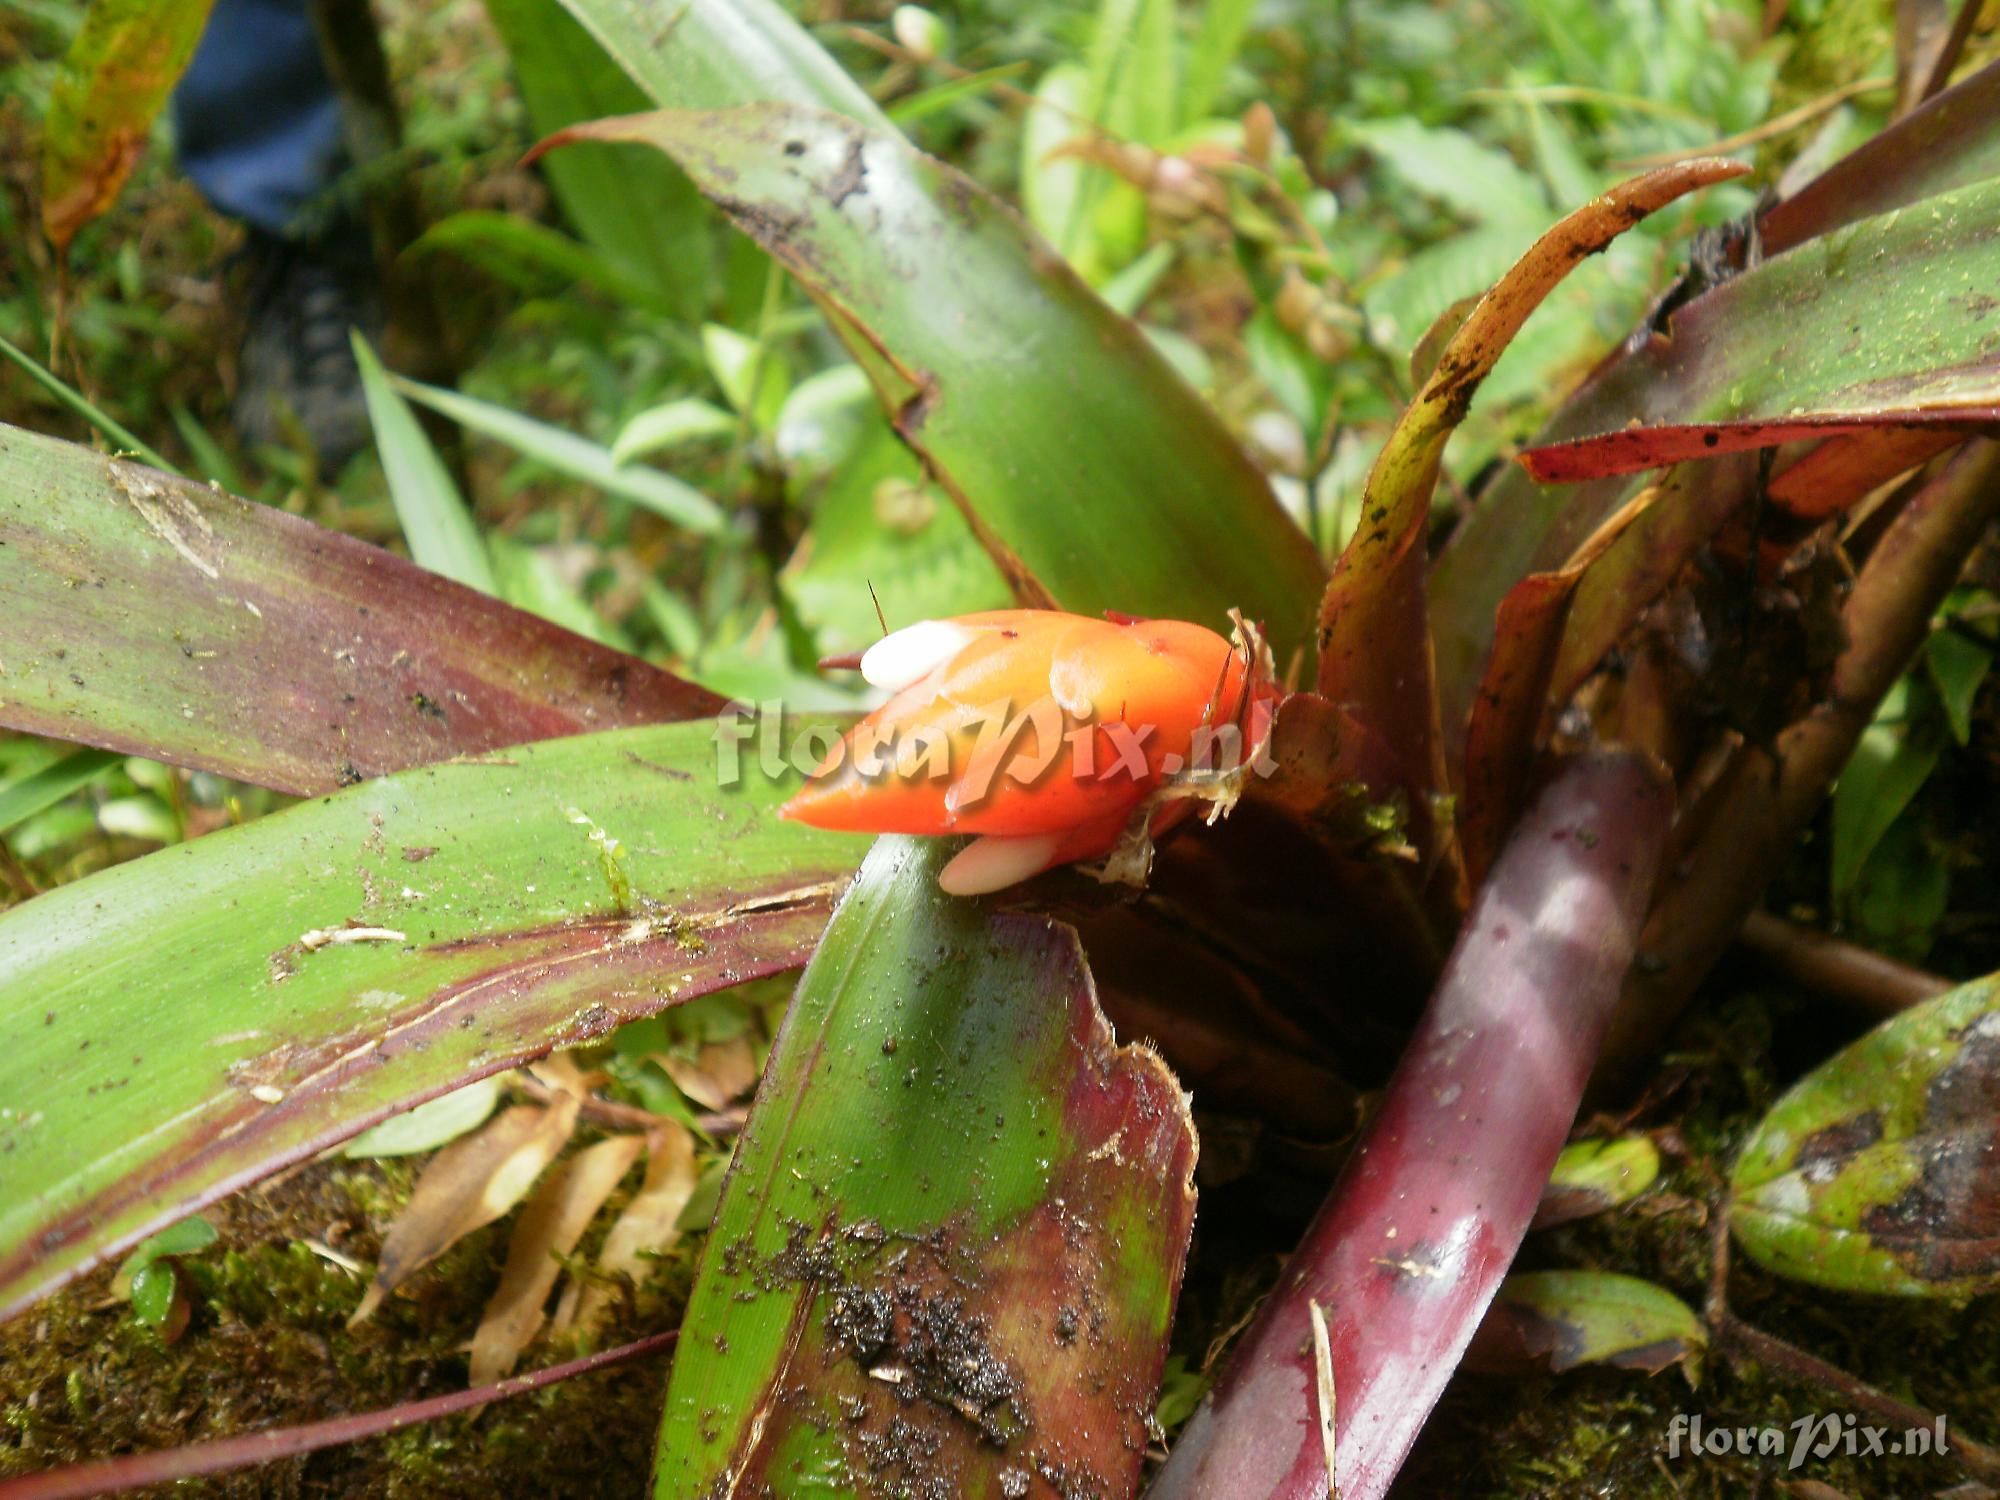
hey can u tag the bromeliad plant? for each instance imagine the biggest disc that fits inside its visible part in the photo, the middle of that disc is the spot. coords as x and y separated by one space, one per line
947 1253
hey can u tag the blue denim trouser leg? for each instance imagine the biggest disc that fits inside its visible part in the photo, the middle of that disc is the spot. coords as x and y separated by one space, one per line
256 115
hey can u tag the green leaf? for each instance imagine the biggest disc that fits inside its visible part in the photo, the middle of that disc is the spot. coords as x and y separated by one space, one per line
710 54
1957 666
1479 181
575 456
532 257
644 215
200 629
185 1238
430 1124
669 425
382 946
1223 23
937 290
117 73
1563 1319
1592 1176
153 1291
76 402
24 796
754 377
880 527
1877 1172
957 1215
1889 767
1053 187
824 418
954 91
436 523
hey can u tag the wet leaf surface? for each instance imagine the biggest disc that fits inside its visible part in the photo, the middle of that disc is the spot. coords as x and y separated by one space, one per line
153 616
1880 1171
392 943
947 1253
1003 371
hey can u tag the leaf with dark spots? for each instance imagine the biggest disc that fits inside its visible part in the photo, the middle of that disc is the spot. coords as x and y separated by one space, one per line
569 888
946 1255
1410 1247
1016 367
1965 407
1375 651
1880 1170
1557 1320
204 630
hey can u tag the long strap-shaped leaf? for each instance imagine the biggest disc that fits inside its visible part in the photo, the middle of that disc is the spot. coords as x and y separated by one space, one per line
1409 1249
1520 527
1083 461
154 616
947 1253
186 1023
1374 636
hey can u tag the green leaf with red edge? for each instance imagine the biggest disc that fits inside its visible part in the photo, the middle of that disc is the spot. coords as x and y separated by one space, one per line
193 1020
125 60
1890 322
1557 1320
1878 1171
1375 654
1952 141
1004 372
1519 527
153 616
947 1254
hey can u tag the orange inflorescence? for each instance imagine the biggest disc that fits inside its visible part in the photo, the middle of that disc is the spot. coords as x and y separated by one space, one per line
1044 733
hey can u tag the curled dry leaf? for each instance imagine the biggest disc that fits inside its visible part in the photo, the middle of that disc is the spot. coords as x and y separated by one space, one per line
649 1226
468 1185
1374 638
716 1076
550 1226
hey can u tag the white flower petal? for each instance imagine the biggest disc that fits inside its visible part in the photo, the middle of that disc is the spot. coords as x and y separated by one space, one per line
996 861
913 653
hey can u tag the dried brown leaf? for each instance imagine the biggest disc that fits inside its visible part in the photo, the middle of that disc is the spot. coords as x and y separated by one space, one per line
468 1185
550 1226
649 1225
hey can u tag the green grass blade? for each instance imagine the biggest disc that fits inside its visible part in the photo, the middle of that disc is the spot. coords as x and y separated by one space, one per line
24 796
77 402
436 522
575 456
